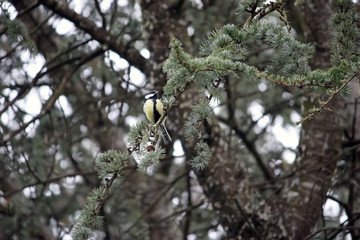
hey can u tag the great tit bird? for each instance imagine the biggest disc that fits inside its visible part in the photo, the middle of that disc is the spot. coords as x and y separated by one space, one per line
153 109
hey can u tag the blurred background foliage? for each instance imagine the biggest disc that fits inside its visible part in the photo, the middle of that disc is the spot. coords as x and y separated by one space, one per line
73 77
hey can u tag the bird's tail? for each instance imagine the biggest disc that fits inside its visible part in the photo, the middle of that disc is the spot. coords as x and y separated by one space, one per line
164 133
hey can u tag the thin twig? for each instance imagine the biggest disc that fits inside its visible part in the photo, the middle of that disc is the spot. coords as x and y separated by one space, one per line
248 221
177 213
49 68
103 19
272 6
341 228
156 200
324 104
49 180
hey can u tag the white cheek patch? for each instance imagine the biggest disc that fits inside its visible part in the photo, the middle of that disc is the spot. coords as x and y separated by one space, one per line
150 95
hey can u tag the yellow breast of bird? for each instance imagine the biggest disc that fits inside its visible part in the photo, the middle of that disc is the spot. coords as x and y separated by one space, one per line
149 109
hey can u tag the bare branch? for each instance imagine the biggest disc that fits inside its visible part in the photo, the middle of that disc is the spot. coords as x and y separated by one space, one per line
50 102
98 33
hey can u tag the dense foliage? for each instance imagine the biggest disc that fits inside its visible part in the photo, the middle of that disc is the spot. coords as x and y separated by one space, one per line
79 158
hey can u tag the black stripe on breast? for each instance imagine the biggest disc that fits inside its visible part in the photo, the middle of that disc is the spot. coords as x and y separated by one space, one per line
157 115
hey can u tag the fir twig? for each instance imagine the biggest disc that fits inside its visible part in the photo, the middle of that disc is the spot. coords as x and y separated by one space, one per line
108 185
293 83
110 167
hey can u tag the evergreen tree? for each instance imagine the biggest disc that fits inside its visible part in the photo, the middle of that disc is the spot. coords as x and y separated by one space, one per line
230 72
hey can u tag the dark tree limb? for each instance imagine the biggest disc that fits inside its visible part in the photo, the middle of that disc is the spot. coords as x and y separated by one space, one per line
98 33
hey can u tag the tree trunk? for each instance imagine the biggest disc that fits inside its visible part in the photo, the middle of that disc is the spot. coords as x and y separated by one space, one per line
320 137
162 20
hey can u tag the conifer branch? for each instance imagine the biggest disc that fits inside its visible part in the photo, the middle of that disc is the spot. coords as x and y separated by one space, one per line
221 58
110 167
